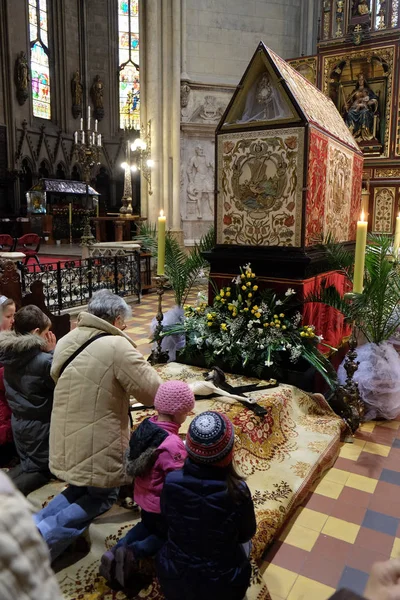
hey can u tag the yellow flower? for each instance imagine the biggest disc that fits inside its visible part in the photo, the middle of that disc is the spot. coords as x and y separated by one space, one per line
218 298
230 306
222 293
276 317
253 275
209 316
223 326
309 328
277 325
282 316
246 309
255 307
223 300
234 314
255 288
284 327
248 284
258 315
250 295
209 323
228 294
303 334
242 276
272 324
228 289
266 324
244 287
312 334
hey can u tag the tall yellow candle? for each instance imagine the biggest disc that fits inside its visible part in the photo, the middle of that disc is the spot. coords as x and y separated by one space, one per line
70 213
361 242
396 242
161 243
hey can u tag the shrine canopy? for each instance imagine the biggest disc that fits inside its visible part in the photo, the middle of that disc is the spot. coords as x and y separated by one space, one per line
289 172
64 186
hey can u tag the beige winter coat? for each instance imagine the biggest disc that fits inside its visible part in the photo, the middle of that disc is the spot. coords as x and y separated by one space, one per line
25 572
89 430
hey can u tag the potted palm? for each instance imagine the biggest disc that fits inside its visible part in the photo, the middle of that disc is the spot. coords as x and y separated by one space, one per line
375 314
184 269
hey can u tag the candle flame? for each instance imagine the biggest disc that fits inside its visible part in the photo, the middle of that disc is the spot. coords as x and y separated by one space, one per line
362 216
161 213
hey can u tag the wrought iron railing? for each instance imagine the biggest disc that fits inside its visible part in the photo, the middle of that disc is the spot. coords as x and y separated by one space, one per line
73 283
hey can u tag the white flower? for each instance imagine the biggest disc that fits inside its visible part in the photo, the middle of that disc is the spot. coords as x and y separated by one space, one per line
248 267
236 280
320 338
279 302
289 292
250 325
235 303
269 363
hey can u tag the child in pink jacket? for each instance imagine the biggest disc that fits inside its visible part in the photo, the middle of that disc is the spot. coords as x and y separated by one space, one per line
155 450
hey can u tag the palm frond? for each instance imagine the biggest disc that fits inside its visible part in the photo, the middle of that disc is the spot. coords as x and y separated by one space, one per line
182 268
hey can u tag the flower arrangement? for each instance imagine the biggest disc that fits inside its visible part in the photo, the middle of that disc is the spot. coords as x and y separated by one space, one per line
250 328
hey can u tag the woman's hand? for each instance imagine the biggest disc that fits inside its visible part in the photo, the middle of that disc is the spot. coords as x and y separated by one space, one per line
51 341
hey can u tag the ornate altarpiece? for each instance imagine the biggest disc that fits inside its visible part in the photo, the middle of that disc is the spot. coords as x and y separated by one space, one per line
361 37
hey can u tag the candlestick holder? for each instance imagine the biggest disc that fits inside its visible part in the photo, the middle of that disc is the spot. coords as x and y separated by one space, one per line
158 356
87 148
349 393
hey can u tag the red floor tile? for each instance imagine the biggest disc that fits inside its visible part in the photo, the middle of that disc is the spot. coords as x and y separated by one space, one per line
352 513
388 490
320 503
368 465
352 496
363 558
287 556
370 539
324 570
384 504
331 548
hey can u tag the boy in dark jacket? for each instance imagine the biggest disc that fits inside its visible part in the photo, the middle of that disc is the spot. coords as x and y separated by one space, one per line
210 519
26 354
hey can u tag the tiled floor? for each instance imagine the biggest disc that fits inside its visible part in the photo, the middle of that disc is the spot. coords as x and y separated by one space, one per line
350 520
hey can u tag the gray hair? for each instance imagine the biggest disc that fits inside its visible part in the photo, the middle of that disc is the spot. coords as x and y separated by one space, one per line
108 306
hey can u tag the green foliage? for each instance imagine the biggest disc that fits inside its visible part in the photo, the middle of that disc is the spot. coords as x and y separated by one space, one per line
182 268
246 328
375 312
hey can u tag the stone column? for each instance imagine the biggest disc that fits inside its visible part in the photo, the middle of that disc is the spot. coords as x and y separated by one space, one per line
161 60
176 117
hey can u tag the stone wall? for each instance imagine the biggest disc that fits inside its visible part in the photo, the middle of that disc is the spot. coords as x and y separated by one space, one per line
222 35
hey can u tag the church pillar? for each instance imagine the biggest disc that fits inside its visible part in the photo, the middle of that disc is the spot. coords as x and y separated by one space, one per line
153 101
161 105
176 117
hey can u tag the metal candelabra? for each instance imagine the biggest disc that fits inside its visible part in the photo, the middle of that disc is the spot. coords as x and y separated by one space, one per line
349 392
158 356
87 148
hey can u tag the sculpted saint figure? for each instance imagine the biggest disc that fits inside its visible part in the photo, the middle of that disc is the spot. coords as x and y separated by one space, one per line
97 92
360 110
200 173
77 89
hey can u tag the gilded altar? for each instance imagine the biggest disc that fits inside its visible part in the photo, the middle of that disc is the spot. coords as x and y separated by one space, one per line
357 66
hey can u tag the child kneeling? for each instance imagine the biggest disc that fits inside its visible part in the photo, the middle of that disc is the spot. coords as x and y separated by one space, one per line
155 450
210 519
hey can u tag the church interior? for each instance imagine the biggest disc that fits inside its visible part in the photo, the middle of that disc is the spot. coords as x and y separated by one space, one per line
214 187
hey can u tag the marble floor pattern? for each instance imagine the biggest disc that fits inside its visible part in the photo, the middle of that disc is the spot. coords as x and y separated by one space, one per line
350 520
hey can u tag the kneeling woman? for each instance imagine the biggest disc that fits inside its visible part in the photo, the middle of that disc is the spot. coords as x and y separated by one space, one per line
210 519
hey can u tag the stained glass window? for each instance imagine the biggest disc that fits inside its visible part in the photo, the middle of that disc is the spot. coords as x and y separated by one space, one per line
128 45
40 72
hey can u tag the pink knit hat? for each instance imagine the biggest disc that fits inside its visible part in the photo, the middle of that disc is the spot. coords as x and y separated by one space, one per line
174 397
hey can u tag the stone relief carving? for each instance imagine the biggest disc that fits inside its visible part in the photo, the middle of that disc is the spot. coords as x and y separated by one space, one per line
185 93
210 111
200 184
383 210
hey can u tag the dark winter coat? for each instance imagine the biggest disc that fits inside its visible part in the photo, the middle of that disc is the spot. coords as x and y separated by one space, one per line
29 391
203 557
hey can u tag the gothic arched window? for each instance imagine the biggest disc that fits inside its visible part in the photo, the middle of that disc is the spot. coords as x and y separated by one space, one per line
128 48
40 71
